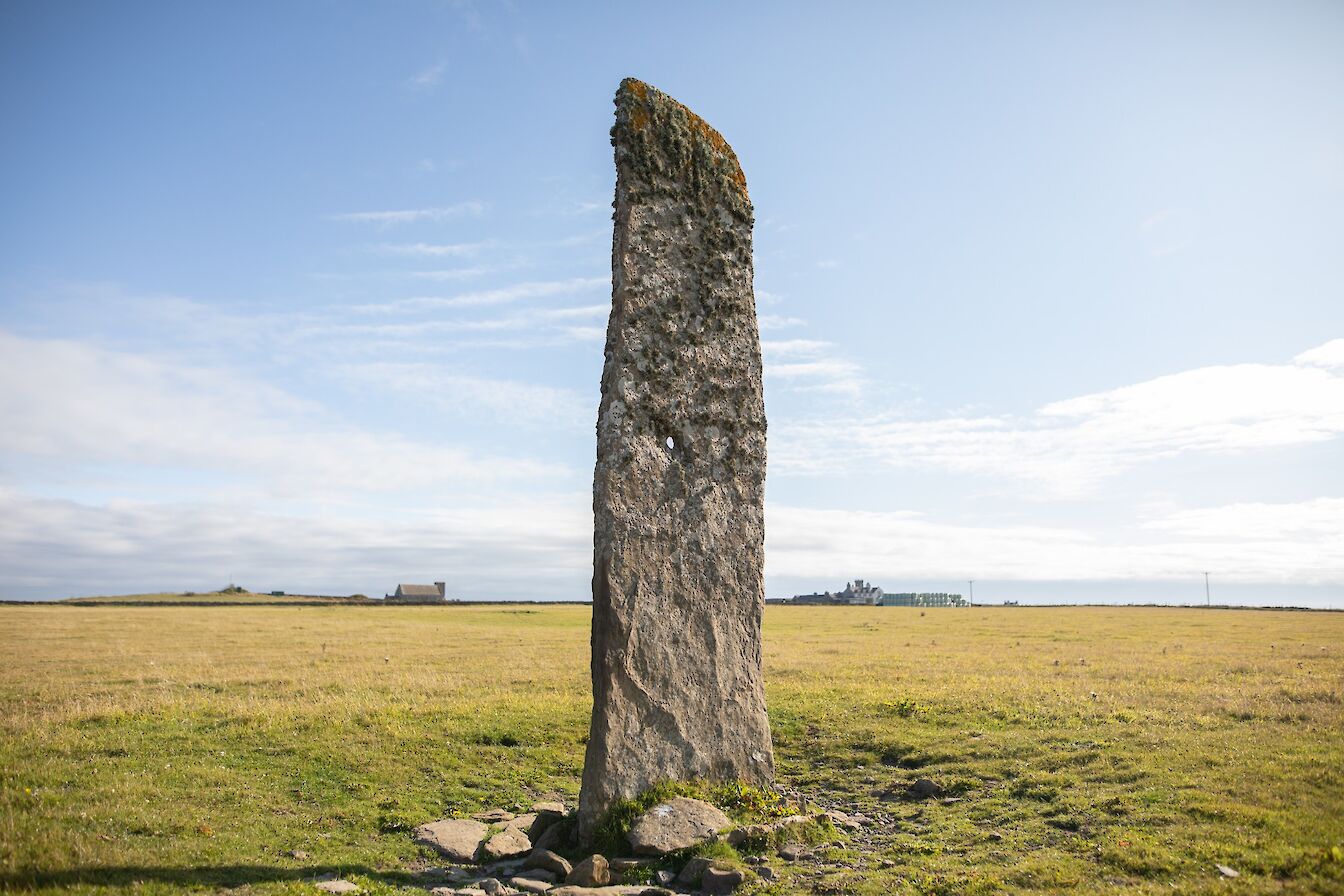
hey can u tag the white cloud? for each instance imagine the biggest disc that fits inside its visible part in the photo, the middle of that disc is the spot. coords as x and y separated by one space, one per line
412 215
811 365
1067 447
475 397
778 322
1284 543
429 77
503 295
450 274
795 348
502 546
436 250
1329 355
78 405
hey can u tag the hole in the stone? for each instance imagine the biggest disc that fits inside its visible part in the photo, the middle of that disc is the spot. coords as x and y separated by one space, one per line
671 444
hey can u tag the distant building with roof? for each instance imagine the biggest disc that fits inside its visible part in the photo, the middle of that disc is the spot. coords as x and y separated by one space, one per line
419 594
866 594
923 599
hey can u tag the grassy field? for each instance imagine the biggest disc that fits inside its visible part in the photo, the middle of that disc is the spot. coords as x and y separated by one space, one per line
153 749
209 598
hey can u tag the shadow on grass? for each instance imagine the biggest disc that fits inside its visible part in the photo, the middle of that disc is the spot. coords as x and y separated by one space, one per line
208 876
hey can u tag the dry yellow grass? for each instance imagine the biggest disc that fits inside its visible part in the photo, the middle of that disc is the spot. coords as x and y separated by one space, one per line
1121 749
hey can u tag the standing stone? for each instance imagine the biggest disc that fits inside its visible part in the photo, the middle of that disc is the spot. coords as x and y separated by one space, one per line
678 492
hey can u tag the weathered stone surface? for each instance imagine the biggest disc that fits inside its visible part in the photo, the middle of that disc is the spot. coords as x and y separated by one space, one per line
750 833
615 890
523 822
337 887
676 824
494 816
720 881
678 491
554 835
693 870
506 844
591 872
923 788
552 807
457 838
549 861
531 884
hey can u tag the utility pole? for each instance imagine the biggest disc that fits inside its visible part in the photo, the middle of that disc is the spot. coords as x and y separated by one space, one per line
971 587
1208 601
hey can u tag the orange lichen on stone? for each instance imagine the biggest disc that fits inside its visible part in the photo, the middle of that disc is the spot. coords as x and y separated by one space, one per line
651 96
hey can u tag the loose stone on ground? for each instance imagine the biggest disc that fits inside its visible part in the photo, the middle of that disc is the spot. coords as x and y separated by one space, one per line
507 844
457 839
679 823
591 872
337 887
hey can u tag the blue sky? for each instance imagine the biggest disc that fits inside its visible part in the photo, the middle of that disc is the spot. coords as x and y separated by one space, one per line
312 296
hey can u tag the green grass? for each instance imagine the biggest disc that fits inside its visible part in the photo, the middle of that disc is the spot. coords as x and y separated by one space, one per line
232 595
156 749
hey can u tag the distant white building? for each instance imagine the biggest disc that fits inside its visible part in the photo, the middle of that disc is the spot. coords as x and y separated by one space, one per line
861 593
866 594
418 594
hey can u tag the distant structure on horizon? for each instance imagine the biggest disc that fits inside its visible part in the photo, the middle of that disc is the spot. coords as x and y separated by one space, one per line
419 594
865 594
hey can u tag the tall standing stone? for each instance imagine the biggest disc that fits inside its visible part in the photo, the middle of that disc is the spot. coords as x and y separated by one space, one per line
678 493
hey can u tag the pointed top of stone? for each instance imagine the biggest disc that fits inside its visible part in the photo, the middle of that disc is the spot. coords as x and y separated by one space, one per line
665 139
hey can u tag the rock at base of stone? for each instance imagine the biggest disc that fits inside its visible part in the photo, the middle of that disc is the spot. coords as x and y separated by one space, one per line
615 890
457 839
679 823
721 881
591 872
693 871
531 884
507 844
549 861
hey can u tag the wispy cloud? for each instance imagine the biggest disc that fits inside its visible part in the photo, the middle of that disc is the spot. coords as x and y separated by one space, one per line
472 397
778 322
812 365
429 77
503 295
86 405
450 273
1300 543
412 215
1068 447
780 349
501 546
436 250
